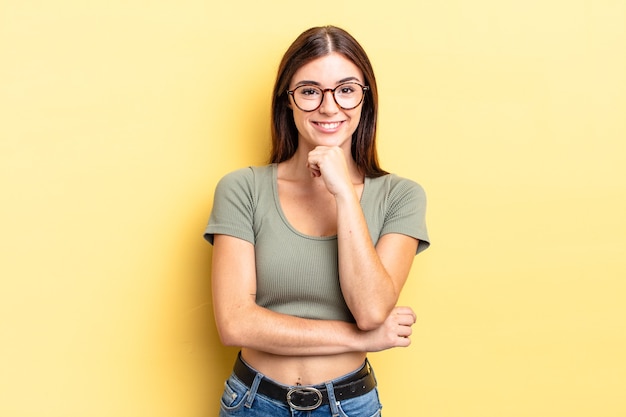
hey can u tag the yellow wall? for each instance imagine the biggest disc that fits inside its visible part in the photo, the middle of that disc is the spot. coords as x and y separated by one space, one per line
117 118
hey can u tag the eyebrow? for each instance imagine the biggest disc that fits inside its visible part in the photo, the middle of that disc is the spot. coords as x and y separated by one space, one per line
311 82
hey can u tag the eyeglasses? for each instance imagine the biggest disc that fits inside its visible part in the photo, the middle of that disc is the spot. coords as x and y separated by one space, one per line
347 96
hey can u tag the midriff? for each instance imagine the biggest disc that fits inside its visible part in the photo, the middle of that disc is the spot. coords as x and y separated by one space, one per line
303 370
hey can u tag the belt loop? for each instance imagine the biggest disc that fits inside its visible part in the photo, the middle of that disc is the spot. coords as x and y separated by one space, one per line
332 401
253 389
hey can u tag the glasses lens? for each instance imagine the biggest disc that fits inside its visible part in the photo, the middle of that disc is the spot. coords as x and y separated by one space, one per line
308 97
349 95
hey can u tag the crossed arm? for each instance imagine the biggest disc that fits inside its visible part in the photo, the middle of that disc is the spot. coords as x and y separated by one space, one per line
241 322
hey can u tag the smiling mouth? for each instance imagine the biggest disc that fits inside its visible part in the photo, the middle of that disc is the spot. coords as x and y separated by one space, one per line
329 126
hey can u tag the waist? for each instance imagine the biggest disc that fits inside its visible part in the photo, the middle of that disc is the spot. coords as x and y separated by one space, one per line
303 370
307 397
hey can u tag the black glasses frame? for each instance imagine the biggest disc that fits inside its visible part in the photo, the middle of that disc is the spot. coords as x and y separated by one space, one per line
332 90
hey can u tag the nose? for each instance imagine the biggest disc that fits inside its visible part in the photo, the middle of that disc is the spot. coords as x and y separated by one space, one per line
329 106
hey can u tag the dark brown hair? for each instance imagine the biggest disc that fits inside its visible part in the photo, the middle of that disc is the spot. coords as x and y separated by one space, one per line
312 44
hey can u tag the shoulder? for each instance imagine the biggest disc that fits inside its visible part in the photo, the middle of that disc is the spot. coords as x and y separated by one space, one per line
394 186
245 177
404 205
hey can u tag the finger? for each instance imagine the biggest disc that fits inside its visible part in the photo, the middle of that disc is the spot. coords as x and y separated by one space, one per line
405 319
404 331
406 323
314 168
403 342
406 311
316 172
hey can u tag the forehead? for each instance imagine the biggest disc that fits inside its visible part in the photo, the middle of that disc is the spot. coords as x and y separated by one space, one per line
328 70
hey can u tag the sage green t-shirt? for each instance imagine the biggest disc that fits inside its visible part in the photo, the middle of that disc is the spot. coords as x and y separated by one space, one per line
298 274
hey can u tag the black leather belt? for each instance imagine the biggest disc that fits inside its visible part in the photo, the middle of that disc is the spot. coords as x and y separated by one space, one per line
307 397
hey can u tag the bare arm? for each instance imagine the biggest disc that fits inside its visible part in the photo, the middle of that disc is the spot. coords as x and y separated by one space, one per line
371 277
241 322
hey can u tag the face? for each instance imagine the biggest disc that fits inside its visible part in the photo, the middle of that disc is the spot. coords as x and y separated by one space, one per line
329 125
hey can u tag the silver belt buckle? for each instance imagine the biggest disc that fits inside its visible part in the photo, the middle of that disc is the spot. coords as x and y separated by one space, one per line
304 391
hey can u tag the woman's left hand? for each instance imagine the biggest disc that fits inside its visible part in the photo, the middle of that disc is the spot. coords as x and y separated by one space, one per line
329 163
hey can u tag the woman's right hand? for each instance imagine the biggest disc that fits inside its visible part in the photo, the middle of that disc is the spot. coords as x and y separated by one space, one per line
394 332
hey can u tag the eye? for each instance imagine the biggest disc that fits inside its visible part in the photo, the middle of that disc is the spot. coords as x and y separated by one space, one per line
347 89
306 91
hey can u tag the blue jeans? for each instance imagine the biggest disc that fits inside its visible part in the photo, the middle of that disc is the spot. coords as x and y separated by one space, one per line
241 400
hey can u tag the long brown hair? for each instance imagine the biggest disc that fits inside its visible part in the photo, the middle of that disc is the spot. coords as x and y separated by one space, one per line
312 44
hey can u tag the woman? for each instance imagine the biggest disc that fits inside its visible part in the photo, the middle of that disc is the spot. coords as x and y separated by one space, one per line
311 251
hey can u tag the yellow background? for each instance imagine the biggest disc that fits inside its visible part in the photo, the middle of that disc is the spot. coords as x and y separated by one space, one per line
117 118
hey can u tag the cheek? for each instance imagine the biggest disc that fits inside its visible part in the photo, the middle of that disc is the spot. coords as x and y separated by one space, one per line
298 117
355 118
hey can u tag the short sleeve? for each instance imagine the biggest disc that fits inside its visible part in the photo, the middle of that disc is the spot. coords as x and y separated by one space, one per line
406 212
233 207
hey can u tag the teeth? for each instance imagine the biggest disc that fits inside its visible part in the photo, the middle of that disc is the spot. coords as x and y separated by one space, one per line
330 125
